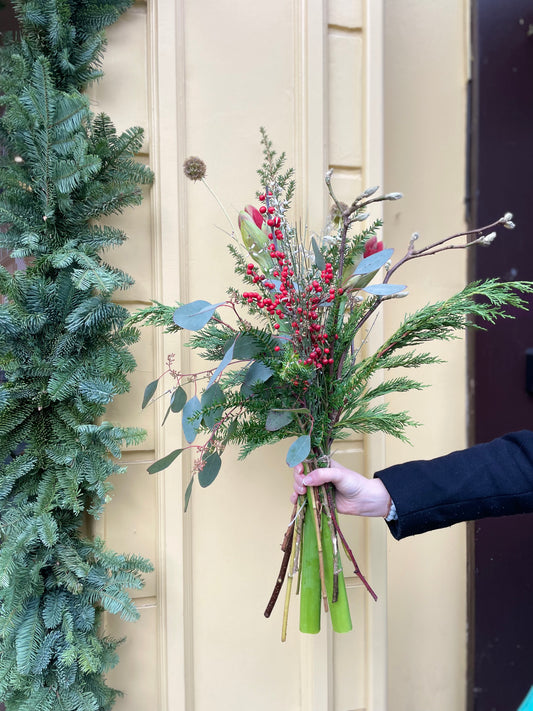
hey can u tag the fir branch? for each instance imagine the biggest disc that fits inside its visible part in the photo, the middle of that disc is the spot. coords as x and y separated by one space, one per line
64 352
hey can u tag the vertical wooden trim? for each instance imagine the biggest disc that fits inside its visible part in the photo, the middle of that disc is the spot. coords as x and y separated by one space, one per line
310 105
373 174
310 42
167 131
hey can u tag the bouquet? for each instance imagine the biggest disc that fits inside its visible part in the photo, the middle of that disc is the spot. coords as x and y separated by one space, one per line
286 359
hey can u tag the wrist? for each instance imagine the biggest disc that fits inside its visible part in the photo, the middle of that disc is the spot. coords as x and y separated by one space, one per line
371 499
382 499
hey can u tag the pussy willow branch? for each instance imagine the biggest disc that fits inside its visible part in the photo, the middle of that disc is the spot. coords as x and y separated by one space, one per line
436 247
345 213
412 253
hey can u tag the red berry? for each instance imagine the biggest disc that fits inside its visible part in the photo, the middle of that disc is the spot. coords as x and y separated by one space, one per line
262 209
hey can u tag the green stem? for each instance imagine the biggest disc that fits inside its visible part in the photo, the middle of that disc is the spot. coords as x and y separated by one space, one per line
310 578
339 610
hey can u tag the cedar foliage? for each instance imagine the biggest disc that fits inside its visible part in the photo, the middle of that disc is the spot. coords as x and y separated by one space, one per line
64 353
270 392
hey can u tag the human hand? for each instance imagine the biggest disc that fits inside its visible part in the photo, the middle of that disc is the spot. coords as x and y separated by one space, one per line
355 494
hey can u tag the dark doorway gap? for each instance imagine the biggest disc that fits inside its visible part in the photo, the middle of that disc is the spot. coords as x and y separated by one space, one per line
501 179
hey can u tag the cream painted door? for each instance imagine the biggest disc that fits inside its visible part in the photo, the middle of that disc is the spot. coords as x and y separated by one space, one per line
202 76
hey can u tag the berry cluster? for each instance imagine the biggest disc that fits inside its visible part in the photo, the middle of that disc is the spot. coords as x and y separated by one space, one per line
273 221
301 308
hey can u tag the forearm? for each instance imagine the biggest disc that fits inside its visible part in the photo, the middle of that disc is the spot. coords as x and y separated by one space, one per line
492 479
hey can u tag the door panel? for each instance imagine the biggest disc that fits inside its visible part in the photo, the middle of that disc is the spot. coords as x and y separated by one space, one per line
501 579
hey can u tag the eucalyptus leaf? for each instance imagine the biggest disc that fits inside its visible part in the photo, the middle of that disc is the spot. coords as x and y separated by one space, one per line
320 262
226 360
299 450
276 419
211 397
164 462
148 393
230 431
246 347
210 470
178 400
191 418
385 289
195 315
188 492
257 373
374 262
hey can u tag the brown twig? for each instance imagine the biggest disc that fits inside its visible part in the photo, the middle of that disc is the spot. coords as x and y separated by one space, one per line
288 588
357 569
436 247
282 571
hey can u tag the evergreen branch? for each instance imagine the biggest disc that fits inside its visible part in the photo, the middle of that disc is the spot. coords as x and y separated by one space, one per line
156 315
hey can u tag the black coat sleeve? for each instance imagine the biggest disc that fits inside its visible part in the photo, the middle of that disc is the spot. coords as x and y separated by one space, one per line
493 479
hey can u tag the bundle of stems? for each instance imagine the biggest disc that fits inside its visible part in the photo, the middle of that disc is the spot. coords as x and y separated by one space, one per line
294 342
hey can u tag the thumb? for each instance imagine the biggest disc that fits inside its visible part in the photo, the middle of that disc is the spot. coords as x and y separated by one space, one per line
321 476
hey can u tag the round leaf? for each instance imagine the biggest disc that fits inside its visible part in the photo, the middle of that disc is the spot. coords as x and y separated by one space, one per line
208 474
374 262
277 419
178 400
231 431
211 397
191 418
257 373
246 347
195 315
299 450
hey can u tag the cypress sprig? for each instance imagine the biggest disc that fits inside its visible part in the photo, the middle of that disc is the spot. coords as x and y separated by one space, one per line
297 367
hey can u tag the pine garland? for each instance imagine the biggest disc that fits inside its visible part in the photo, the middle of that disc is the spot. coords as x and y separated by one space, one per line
64 353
